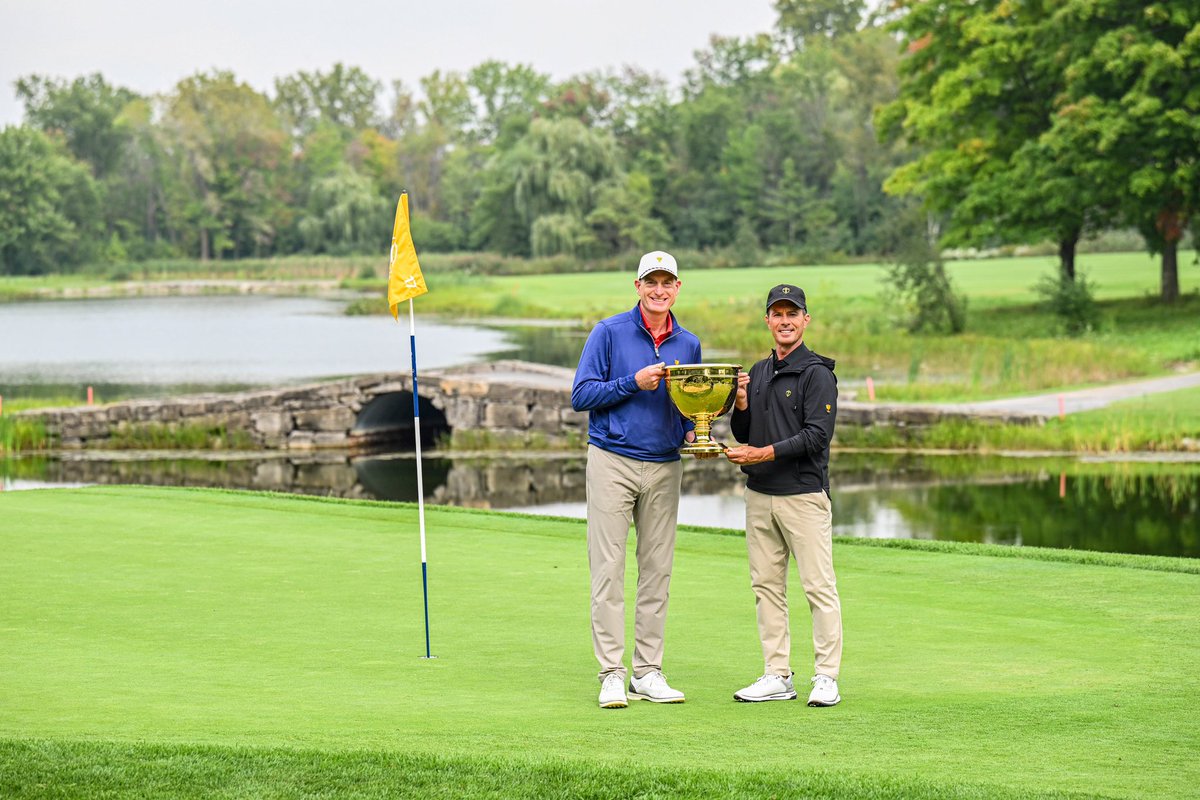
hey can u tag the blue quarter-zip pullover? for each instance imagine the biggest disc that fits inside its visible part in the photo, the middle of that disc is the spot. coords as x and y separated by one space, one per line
624 419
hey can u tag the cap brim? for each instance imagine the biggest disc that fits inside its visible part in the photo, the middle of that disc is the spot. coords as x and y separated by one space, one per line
796 303
670 272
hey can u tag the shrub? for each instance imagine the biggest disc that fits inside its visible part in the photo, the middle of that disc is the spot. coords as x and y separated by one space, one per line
1072 301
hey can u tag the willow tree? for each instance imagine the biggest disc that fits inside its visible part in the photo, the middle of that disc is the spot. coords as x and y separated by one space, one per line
561 168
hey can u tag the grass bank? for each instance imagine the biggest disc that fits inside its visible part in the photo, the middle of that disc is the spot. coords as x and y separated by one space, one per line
167 641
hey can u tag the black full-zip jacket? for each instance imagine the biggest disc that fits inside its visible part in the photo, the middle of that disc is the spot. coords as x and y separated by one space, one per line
793 406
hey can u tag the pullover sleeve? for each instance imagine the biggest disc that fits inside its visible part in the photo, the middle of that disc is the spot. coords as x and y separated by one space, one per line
820 411
593 388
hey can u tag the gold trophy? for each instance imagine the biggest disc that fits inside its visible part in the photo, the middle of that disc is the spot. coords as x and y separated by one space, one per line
703 392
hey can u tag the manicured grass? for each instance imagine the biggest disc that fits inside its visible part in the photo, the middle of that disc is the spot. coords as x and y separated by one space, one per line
184 642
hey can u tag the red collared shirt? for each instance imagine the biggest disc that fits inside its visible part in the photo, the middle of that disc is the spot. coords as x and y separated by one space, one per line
658 340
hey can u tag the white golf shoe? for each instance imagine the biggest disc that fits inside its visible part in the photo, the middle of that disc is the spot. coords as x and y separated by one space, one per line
612 692
768 687
824 692
653 687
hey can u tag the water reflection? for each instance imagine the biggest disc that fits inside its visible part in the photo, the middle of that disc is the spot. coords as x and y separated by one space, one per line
1132 508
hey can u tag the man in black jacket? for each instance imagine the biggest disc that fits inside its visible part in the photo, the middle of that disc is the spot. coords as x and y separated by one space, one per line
785 411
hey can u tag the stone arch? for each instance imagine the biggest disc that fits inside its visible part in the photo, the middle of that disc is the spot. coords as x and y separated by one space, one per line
388 419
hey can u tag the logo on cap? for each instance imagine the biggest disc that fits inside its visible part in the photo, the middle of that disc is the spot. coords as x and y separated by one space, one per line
786 290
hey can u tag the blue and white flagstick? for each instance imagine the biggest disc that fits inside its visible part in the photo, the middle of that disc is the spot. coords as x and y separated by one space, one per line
412 344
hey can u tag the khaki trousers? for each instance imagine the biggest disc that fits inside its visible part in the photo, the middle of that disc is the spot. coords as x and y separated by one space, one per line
621 490
800 525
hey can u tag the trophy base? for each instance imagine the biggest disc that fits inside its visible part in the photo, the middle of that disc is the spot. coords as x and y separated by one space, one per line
703 448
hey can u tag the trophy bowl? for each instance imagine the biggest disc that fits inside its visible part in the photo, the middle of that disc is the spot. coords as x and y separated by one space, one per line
703 392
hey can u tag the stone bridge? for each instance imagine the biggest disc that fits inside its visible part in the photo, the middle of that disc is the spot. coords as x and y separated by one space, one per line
520 403
513 404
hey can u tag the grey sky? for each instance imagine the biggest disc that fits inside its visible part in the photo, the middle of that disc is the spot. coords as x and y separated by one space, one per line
149 45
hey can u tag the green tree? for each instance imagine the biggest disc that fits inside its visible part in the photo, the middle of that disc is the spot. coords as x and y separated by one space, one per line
980 85
136 191
802 21
555 171
49 205
85 112
622 219
343 96
503 92
1130 113
227 148
345 215
865 68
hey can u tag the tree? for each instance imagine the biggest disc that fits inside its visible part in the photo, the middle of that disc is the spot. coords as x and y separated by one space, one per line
802 21
345 215
1130 113
865 65
85 112
555 171
503 92
622 219
227 147
979 89
343 96
49 205
136 191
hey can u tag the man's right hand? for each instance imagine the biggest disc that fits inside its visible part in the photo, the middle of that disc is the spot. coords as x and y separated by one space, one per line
742 401
649 377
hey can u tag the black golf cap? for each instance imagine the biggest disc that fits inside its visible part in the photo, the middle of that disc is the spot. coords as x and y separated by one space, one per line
785 291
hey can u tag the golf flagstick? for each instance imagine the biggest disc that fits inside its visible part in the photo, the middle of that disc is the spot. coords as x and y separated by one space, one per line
405 282
412 344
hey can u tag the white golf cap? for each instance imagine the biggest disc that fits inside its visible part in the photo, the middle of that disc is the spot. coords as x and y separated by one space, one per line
657 261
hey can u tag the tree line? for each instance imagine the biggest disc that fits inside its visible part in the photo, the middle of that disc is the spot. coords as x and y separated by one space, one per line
843 131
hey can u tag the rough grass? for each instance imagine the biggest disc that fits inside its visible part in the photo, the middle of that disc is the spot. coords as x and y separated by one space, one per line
1161 422
241 642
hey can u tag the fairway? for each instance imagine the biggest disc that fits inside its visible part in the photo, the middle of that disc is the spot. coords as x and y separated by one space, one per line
231 637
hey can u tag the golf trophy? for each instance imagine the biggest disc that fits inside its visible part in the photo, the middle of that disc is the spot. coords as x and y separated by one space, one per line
703 392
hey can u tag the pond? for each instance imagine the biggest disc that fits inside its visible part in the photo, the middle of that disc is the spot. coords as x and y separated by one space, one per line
1115 507
169 345
164 345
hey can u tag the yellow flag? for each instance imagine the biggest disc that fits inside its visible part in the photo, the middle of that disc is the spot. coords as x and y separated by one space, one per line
404 273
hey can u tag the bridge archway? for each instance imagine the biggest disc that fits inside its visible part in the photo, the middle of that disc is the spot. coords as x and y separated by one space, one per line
388 420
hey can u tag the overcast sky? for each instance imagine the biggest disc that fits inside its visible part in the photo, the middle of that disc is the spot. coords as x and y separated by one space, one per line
149 45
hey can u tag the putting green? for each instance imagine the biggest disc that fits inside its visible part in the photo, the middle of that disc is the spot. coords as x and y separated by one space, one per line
133 617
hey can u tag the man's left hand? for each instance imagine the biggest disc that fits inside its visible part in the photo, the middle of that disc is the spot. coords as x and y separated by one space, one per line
750 455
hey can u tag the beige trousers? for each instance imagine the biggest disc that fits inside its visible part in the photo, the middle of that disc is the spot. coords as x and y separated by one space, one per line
799 525
621 490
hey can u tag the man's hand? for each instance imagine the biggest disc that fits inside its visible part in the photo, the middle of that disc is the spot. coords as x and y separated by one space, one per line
649 377
750 455
742 401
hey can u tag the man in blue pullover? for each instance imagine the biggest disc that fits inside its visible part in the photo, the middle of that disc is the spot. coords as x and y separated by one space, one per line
633 475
